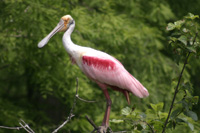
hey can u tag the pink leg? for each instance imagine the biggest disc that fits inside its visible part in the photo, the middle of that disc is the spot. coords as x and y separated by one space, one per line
108 106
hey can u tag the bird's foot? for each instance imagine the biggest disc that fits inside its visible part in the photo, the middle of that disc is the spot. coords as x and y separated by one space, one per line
102 129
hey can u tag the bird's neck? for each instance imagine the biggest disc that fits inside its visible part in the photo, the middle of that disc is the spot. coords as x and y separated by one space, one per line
67 42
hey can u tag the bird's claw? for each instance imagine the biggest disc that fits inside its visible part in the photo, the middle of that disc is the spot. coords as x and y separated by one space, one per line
102 129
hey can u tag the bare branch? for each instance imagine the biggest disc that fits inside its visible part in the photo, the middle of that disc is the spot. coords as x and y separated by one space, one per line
122 132
13 128
26 126
23 125
81 99
92 123
64 123
71 111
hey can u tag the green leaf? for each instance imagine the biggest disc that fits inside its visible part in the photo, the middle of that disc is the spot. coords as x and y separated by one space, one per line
154 107
184 104
142 115
191 126
179 23
170 26
162 115
143 124
158 125
174 39
126 111
192 114
160 106
187 86
116 121
195 99
183 39
185 30
157 107
191 49
185 119
175 113
192 16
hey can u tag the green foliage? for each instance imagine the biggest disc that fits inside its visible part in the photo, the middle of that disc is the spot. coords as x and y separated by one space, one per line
151 119
38 85
183 38
154 120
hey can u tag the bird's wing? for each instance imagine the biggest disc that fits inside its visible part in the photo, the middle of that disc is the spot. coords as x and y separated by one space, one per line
104 68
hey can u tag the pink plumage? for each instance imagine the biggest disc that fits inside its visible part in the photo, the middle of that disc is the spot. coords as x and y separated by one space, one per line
107 70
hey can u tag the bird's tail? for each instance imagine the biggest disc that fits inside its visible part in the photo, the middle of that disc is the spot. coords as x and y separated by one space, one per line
138 89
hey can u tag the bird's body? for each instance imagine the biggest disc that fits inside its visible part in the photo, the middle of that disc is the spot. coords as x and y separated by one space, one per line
102 68
98 66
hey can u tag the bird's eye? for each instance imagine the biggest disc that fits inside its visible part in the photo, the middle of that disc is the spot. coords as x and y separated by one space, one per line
71 22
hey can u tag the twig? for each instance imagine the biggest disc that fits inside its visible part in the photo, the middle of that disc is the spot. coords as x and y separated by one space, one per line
81 99
87 101
29 130
64 123
26 126
97 128
23 125
71 111
176 90
122 132
110 130
13 128
149 126
92 123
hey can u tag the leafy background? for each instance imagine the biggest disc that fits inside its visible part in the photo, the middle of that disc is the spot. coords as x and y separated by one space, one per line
38 85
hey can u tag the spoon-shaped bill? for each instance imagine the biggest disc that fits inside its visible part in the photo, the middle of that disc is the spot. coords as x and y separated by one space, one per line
53 32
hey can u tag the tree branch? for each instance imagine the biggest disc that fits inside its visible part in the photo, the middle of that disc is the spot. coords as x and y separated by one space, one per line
149 126
23 125
29 130
92 123
176 89
13 128
81 99
71 111
26 126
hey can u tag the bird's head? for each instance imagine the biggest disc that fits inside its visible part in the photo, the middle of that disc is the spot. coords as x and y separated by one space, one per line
64 24
67 20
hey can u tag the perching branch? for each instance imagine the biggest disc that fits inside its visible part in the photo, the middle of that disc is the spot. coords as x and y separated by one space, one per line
97 128
92 123
176 89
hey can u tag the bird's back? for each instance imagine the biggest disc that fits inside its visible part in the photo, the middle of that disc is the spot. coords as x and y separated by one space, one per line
103 68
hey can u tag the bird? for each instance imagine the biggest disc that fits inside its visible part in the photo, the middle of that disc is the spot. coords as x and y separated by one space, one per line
98 66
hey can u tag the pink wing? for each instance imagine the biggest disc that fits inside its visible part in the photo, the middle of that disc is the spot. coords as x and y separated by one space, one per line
108 70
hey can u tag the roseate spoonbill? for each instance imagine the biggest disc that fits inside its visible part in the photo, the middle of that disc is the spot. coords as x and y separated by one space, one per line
98 66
